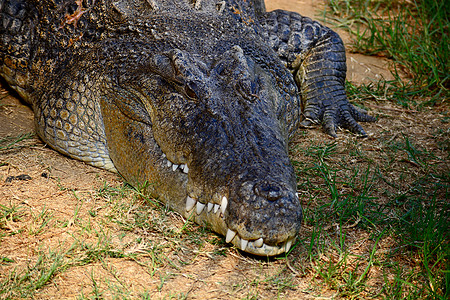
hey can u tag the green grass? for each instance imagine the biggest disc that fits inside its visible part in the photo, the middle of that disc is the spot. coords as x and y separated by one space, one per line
414 34
412 215
11 142
24 282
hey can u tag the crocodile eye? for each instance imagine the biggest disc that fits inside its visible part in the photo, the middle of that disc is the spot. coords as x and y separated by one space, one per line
220 69
189 90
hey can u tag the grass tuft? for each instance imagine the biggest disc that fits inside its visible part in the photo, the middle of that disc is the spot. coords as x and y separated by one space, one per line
414 34
11 142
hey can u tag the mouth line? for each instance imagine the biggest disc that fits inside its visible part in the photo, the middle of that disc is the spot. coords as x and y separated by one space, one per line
181 167
216 212
210 211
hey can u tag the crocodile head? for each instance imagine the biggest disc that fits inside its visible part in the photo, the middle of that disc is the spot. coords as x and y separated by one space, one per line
208 139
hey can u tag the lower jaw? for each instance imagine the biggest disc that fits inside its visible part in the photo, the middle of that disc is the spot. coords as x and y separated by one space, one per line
216 222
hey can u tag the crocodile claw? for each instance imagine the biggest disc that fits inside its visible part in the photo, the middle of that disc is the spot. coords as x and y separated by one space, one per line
343 115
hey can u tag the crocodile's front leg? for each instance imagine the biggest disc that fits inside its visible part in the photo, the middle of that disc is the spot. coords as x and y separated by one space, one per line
316 56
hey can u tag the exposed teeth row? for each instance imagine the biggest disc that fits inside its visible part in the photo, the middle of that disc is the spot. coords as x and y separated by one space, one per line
243 244
191 202
182 167
211 207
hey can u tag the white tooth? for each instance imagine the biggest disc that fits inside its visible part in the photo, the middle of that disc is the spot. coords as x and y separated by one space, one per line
181 167
210 206
200 207
258 243
244 244
230 235
296 194
224 205
190 203
169 163
216 207
164 155
174 167
186 169
288 245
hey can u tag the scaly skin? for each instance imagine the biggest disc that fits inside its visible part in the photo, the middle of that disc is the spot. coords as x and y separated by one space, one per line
195 100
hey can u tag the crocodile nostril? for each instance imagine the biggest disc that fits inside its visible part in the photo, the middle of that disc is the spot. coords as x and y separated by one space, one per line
271 191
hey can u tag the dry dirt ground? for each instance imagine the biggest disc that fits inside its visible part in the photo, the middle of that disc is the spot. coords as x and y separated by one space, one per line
75 231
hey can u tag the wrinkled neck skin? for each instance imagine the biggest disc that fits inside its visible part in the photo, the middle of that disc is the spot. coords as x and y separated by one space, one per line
203 127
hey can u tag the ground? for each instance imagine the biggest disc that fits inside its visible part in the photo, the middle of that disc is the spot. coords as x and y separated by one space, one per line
75 231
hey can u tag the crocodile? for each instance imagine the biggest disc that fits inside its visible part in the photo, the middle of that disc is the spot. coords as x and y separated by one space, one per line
195 101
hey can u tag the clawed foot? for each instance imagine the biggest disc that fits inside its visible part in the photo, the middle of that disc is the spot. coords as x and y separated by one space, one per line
343 115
